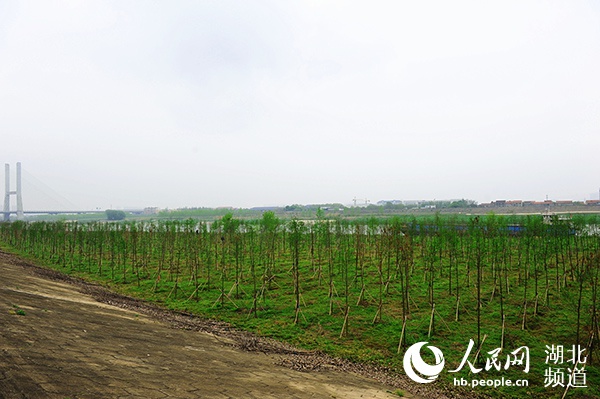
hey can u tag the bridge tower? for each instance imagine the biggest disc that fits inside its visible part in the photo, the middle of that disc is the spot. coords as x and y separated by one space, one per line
8 193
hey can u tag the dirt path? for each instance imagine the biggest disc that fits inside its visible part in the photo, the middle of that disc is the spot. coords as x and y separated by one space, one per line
57 342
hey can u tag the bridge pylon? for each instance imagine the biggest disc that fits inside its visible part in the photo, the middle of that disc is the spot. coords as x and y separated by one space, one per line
8 193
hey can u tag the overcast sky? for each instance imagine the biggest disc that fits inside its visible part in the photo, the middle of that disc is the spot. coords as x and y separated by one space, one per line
250 103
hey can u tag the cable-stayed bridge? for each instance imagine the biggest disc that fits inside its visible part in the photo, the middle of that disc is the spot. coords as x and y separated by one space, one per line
51 199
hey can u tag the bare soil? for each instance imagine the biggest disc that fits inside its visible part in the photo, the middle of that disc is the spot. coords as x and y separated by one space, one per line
61 337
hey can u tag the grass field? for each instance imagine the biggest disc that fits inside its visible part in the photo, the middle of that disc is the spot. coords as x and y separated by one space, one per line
364 289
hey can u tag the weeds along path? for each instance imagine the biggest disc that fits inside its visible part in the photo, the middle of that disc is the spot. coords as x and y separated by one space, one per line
58 340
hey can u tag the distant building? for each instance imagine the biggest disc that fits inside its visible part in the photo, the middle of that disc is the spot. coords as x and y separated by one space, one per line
393 202
539 203
563 203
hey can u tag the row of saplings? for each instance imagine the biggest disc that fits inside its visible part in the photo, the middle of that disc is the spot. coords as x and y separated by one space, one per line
419 275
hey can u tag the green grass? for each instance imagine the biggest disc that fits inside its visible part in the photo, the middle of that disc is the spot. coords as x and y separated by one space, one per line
365 341
376 343
18 311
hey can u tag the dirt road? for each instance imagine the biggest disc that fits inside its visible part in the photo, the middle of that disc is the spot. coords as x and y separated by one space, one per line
58 342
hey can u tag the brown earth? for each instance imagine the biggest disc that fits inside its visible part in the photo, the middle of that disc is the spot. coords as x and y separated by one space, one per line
61 337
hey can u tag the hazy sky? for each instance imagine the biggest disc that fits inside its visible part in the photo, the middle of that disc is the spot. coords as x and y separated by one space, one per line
248 103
